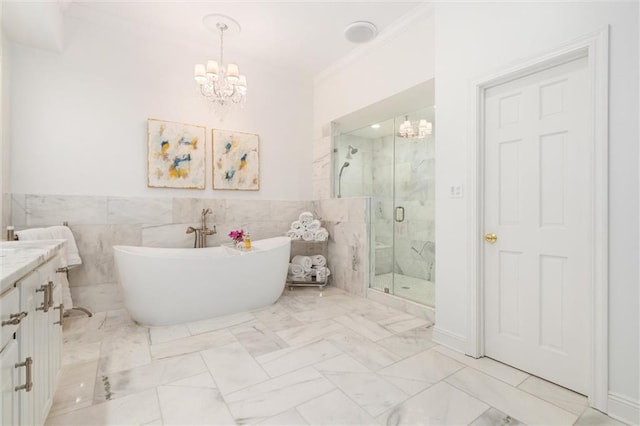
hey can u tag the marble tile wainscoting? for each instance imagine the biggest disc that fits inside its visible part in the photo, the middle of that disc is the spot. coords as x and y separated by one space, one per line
98 223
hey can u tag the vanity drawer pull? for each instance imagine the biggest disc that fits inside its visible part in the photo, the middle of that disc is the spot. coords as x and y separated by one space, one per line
28 363
14 319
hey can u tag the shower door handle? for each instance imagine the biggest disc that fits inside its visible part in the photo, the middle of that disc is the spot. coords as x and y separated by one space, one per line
399 214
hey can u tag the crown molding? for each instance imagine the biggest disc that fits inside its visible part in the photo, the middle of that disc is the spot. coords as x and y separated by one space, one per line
396 28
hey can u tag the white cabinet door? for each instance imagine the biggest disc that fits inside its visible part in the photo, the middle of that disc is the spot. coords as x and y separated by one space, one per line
10 406
25 337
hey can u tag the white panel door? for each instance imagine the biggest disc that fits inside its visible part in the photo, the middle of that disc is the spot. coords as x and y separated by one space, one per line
537 180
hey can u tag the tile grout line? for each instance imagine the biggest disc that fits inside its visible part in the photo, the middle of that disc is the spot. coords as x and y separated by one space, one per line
513 387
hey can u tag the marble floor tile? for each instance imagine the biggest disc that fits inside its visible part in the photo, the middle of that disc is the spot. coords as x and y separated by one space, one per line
233 368
116 385
409 342
82 323
290 417
190 344
441 404
488 366
167 333
363 326
124 348
341 364
309 333
258 339
139 408
420 371
334 408
319 314
406 324
493 417
277 318
370 391
75 387
218 323
277 395
363 350
79 352
303 303
592 417
184 405
512 401
557 395
118 318
290 359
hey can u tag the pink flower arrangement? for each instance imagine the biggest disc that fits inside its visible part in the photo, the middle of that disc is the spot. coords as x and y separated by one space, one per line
237 236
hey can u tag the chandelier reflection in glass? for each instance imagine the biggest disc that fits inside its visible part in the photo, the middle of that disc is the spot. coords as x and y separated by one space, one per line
419 130
221 85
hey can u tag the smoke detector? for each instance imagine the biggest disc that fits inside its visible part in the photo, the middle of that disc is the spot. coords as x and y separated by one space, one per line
360 32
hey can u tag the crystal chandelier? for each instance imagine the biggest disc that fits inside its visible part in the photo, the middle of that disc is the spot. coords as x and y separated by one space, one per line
222 86
410 131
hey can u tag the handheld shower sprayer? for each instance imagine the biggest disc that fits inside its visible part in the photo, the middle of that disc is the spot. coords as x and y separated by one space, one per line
345 164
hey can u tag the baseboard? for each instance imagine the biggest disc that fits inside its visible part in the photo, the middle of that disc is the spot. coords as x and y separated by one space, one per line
623 408
451 340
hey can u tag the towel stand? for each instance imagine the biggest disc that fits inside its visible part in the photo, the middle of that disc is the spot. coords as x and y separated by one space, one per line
66 271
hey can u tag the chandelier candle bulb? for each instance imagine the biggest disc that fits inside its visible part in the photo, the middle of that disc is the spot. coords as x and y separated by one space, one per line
232 72
199 73
241 85
212 68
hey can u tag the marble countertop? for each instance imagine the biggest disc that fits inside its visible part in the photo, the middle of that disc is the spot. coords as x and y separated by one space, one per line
18 258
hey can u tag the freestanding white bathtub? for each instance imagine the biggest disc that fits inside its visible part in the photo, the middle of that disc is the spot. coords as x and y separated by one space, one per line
164 286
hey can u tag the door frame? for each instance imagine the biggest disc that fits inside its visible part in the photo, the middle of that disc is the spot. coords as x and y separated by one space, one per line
595 47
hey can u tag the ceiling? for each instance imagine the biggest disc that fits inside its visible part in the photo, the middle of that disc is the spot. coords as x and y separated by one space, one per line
305 36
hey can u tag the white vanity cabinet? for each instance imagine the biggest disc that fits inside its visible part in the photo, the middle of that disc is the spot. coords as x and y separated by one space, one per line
31 354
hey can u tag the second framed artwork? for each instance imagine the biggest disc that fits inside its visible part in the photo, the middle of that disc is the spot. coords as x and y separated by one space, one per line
236 160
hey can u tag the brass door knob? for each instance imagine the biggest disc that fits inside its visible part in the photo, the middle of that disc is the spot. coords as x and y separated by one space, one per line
491 238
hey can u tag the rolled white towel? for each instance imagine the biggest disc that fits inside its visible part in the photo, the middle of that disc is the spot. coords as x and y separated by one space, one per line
296 270
322 273
318 261
304 261
308 235
321 235
296 225
306 218
294 235
314 225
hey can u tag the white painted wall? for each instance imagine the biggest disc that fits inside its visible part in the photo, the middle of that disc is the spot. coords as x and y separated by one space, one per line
79 117
477 39
5 145
396 62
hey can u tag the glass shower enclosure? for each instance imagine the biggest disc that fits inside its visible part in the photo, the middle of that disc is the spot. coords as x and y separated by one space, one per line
395 168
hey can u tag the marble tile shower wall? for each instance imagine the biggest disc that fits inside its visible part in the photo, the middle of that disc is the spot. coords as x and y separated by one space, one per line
357 178
347 220
98 223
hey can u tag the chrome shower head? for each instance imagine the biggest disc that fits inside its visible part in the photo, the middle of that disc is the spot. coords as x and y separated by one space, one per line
352 150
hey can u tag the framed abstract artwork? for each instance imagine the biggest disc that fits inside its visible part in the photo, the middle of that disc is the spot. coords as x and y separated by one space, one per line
175 155
236 160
